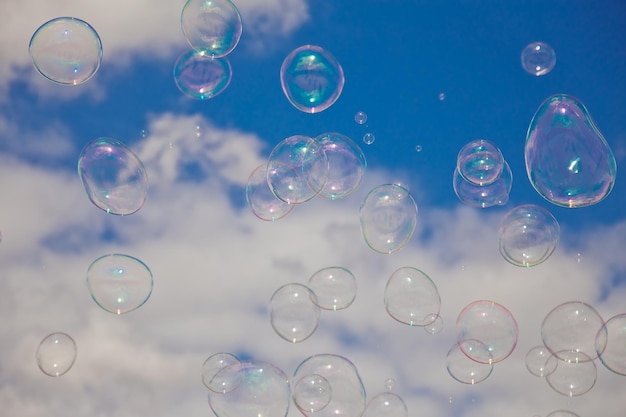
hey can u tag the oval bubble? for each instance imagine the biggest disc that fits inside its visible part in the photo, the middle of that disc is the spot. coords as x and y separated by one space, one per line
334 287
311 78
465 370
212 26
388 216
540 361
411 297
261 200
66 50
483 196
528 235
538 58
480 162
568 161
611 344
221 372
435 324
201 76
346 165
386 404
312 393
575 374
119 283
56 354
294 312
113 177
360 117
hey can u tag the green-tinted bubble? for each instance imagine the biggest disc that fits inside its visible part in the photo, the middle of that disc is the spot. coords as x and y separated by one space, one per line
213 26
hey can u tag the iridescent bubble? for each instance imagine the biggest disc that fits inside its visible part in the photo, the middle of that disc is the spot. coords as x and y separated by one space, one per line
334 288
568 161
562 413
572 327
360 117
496 193
540 361
480 162
114 178
311 78
346 165
312 393
369 138
538 58
386 404
297 169
221 372
411 297
119 283
261 200
435 324
294 312
201 76
528 235
66 50
492 325
388 216
465 370
611 344
213 26
56 354
575 374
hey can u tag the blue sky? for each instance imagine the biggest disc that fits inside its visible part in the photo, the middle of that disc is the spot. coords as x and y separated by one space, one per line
216 265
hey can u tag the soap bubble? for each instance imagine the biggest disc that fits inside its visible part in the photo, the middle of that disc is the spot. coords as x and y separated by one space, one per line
263 203
386 404
540 361
66 50
390 384
568 161
480 162
562 413
56 354
311 78
388 216
221 372
297 169
611 344
369 138
312 393
213 26
334 288
346 165
201 76
435 324
528 235
360 117
294 312
114 178
538 58
483 196
119 283
575 374
263 391
411 297
462 368
492 325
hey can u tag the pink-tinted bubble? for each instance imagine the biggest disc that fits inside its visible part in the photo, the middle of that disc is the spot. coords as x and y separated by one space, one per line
346 165
611 344
538 58
56 354
575 374
201 76
294 312
334 287
483 196
213 26
480 162
261 200
465 370
411 297
216 374
386 404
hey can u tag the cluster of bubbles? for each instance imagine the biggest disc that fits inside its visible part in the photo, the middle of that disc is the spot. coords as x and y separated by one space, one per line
538 58
361 118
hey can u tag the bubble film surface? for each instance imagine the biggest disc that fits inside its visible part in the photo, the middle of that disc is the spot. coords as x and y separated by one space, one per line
213 26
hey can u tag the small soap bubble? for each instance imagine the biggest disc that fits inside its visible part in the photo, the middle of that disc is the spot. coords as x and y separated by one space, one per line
538 58
56 354
465 370
212 26
411 297
540 361
66 50
360 117
221 372
386 404
334 287
312 393
390 384
418 148
579 257
441 96
144 133
484 196
435 325
200 76
369 138
262 202
611 344
346 165
575 374
294 312
480 162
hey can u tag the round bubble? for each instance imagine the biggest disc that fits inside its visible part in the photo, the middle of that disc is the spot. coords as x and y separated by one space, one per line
297 169
360 117
411 297
465 370
492 325
119 283
538 58
312 393
294 312
388 216
528 235
348 393
113 177
575 374
213 26
261 200
263 391
201 76
611 344
369 138
483 196
66 50
480 162
435 324
572 327
311 78
390 384
386 404
562 413
221 372
334 287
56 354
568 161
540 361
346 165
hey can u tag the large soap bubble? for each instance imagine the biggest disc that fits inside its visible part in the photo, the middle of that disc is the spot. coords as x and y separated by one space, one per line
56 354
528 235
411 297
66 50
334 288
346 165
119 283
611 344
487 195
538 58
568 161
213 26
261 200
480 162
462 368
221 372
294 312
201 76
386 404
575 374
311 78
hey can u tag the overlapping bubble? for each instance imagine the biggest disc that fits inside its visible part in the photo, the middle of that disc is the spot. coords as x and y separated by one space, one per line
221 372
464 369
213 26
575 374
346 165
538 58
611 344
294 312
56 354
411 297
201 76
261 200
312 393
540 361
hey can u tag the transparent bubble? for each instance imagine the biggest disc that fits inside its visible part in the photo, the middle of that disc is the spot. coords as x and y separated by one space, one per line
119 283
496 193
297 169
435 324
562 413
311 78
312 393
575 374
66 50
261 200
418 148
263 391
390 384
465 370
528 235
540 361
221 372
388 216
572 327
348 393
56 354
201 76
386 404
492 325
568 161
113 177
360 117
441 96
346 165
294 312
369 138
211 25
611 344
538 58
334 287
480 162
411 297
